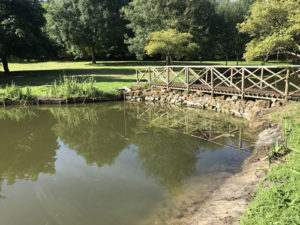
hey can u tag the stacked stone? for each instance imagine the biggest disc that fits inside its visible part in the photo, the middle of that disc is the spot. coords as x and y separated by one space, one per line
229 105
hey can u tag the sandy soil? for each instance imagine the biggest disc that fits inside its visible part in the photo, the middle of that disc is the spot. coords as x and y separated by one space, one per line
227 204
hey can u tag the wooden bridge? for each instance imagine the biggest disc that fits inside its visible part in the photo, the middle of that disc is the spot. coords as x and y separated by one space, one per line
212 128
260 82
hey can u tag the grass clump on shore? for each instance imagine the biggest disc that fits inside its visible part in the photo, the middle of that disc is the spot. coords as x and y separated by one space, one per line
14 92
74 87
278 197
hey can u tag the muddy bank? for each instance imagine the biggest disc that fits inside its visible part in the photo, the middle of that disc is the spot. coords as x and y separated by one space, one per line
227 203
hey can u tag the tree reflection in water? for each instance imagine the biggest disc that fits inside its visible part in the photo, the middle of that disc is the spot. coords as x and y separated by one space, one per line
100 133
28 145
94 132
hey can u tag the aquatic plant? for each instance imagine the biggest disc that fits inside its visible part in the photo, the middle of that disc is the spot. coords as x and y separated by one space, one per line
14 92
74 87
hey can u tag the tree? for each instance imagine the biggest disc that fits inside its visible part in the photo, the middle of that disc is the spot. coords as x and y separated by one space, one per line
230 43
21 35
170 43
274 27
147 16
85 27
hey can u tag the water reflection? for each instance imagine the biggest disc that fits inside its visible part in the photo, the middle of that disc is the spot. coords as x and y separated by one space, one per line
27 147
89 132
151 151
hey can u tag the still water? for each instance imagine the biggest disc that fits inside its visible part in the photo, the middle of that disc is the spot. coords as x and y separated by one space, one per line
114 164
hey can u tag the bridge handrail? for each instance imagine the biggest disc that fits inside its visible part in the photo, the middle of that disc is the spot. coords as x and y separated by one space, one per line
220 66
258 78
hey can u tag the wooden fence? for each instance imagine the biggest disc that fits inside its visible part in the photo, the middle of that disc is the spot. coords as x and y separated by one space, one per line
267 82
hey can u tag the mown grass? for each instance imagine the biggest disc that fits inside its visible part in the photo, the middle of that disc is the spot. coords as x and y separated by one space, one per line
278 198
108 75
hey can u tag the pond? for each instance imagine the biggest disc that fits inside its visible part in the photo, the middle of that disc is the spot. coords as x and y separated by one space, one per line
114 163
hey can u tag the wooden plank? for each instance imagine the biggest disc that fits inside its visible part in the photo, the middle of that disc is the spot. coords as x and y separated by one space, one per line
199 77
168 78
287 84
261 78
225 78
177 75
187 79
266 83
149 71
250 74
243 84
137 76
212 81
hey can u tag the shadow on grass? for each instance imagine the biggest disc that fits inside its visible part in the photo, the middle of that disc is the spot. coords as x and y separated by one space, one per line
142 63
44 77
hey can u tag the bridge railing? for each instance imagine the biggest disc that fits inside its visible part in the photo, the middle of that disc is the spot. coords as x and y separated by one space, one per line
245 81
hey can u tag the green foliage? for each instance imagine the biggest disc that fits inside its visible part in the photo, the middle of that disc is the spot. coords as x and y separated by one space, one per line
278 198
170 43
211 23
86 27
21 35
146 17
72 87
14 92
274 27
229 42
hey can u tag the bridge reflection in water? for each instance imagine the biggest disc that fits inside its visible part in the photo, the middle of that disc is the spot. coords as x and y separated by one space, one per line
219 129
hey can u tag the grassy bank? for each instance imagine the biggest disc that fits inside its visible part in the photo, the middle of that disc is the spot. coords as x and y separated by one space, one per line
278 198
38 77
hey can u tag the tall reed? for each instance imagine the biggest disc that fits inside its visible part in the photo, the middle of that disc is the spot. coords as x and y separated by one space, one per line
68 87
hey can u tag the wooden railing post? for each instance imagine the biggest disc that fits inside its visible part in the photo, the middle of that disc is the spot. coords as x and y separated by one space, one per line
168 77
137 76
243 84
261 78
287 83
150 77
212 81
231 76
187 80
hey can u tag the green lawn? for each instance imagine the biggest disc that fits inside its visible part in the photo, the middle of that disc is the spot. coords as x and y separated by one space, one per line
109 75
278 198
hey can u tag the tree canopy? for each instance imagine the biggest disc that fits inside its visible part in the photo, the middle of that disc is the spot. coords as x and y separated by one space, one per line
274 27
211 23
170 43
117 29
85 27
21 34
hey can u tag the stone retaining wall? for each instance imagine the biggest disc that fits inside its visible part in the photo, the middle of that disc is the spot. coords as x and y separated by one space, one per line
229 105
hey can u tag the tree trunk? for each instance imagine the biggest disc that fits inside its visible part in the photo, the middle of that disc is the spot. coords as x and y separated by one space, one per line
237 60
266 59
226 60
5 64
93 53
169 60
